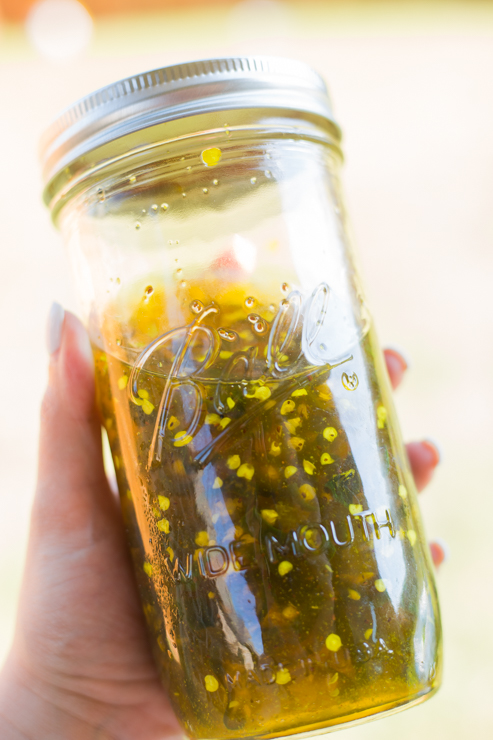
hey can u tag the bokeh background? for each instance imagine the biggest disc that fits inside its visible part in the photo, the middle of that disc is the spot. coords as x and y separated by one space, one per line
412 86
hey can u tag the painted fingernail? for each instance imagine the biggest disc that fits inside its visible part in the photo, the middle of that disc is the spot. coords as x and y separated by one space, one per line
439 552
54 328
436 450
401 354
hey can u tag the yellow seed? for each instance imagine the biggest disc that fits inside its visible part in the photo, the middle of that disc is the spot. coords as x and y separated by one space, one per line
354 594
211 683
289 471
163 525
333 642
411 536
147 407
329 433
292 424
211 595
402 491
284 567
381 416
263 393
246 471
164 502
290 612
143 394
275 449
368 633
173 422
202 539
326 459
230 402
137 401
182 439
334 693
401 534
283 676
233 462
269 515
288 406
300 392
122 382
308 467
212 419
233 704
380 586
225 355
148 568
129 494
355 509
156 513
307 492
333 679
224 422
171 554
210 157
296 443
217 483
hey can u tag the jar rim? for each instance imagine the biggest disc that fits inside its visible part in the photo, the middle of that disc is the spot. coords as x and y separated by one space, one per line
178 91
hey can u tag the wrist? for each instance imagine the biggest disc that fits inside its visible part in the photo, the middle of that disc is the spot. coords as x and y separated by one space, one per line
31 710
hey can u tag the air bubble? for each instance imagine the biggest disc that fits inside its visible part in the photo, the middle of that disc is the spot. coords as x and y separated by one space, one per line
215 182
183 195
253 318
268 173
149 290
284 288
253 180
250 302
189 168
154 207
205 190
197 306
228 336
119 342
144 211
260 326
183 284
179 271
101 195
138 225
272 308
132 179
164 206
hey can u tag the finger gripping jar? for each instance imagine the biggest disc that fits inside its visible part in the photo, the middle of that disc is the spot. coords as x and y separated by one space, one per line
270 510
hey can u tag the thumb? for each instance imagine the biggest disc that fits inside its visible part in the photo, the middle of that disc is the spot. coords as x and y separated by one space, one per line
73 499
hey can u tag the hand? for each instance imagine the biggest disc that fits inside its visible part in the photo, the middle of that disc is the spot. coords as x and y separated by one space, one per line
80 665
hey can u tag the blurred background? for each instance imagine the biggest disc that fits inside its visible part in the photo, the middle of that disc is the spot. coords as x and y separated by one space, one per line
412 87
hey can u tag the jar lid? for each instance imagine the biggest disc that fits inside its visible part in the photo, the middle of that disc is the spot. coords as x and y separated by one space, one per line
180 91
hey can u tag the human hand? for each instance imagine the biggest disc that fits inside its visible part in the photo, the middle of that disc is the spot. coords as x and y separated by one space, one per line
80 665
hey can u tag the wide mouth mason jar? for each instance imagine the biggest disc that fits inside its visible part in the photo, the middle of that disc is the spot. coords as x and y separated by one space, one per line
271 513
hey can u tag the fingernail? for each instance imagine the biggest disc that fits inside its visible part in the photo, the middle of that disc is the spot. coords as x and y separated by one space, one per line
400 352
440 551
433 445
54 328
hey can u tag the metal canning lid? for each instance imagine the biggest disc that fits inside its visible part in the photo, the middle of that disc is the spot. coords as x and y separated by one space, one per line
180 91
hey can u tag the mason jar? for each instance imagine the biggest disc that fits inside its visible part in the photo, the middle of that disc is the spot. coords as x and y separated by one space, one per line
270 510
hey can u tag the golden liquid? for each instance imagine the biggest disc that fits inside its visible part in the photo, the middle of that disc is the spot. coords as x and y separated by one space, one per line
275 603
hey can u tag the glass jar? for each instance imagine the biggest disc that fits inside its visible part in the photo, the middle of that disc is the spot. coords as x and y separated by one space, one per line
270 510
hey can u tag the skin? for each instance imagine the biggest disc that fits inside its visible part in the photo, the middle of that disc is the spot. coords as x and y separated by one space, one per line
80 665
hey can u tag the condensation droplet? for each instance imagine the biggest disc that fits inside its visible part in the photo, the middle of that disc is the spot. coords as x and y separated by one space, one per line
137 225
164 206
253 318
253 180
119 342
249 302
183 284
149 290
197 306
284 288
205 190
179 271
154 207
183 195
228 336
215 182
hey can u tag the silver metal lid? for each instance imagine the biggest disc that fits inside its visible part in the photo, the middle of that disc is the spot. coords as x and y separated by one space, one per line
183 90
